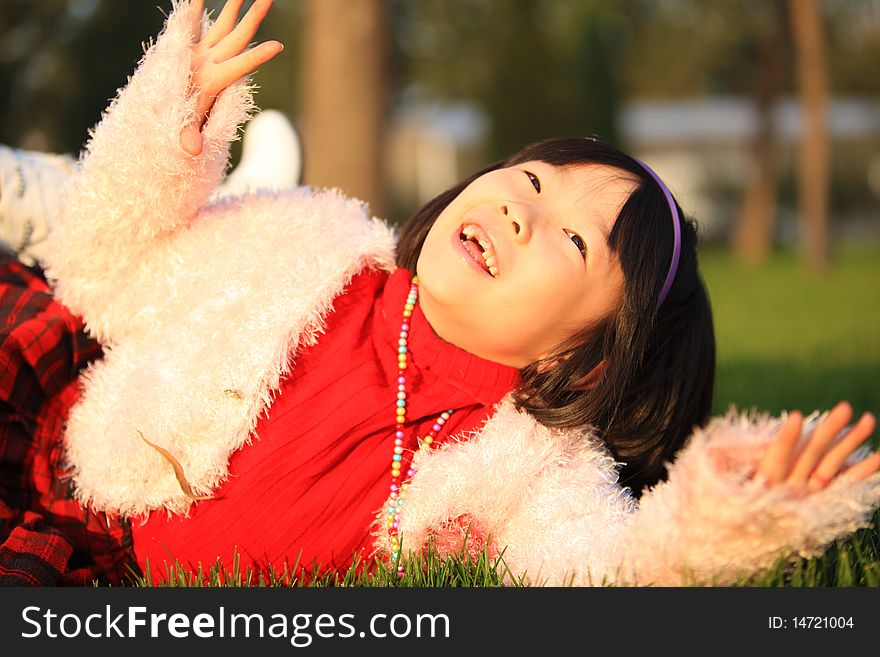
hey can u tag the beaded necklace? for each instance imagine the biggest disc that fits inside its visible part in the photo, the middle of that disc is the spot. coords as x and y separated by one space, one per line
398 484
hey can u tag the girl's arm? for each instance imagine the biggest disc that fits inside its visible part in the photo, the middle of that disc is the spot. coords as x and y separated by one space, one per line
735 502
746 493
158 153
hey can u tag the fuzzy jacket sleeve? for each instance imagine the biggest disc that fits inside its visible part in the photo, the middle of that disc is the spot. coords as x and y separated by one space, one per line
550 503
135 186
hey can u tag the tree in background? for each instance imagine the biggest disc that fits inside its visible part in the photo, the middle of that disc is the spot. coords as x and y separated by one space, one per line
704 48
538 69
344 95
813 164
752 232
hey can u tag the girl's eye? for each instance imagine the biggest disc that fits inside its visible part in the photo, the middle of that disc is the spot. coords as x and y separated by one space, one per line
534 180
578 242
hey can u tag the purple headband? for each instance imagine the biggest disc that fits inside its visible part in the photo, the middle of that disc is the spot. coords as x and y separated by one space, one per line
676 230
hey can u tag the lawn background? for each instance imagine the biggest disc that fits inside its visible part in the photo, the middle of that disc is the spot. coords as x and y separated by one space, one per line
789 339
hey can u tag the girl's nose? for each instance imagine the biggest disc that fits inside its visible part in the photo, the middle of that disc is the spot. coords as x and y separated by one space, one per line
518 220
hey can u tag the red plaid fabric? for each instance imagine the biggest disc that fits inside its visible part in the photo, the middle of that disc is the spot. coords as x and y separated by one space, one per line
46 537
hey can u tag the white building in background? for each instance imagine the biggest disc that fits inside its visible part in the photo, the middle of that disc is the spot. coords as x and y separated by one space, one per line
702 145
701 148
432 146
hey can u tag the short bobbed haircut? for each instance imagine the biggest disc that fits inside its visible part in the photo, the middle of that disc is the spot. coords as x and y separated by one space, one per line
658 365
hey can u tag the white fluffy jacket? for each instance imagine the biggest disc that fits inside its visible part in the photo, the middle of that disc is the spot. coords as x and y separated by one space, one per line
202 306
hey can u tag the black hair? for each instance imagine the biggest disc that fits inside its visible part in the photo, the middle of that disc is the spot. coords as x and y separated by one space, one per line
658 365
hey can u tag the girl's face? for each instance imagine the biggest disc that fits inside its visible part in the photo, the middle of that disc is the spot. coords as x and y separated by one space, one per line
519 261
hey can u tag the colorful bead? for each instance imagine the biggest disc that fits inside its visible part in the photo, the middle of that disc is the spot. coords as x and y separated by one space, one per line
398 488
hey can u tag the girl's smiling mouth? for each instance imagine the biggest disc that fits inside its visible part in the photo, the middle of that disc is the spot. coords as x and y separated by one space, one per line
477 245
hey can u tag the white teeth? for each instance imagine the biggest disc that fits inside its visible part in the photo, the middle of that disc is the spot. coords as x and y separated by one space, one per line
489 257
471 232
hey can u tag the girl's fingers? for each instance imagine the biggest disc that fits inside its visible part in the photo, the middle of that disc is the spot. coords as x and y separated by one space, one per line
235 42
196 9
222 58
864 468
247 62
776 462
224 75
829 466
191 139
815 449
224 23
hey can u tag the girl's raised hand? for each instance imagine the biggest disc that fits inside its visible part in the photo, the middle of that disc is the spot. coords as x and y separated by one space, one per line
819 460
221 57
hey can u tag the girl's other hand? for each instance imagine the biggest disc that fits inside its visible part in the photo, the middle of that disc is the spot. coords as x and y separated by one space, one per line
819 460
221 57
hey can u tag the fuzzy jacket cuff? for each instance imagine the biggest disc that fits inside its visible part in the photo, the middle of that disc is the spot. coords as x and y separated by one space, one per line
551 502
136 183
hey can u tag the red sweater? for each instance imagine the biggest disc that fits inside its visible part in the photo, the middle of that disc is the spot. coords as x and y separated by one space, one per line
310 486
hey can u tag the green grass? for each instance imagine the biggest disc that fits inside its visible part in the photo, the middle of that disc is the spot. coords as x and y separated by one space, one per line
462 570
787 339
851 562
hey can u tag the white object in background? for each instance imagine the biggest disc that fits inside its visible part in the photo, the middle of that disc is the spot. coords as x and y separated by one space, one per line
271 156
30 189
31 182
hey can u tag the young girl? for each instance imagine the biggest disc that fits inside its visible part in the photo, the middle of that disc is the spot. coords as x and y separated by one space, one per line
275 381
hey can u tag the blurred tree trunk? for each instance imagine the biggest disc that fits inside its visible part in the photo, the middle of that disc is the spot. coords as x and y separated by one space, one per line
752 235
813 164
343 96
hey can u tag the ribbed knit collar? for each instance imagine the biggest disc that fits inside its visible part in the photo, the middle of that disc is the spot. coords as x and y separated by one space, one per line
483 379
